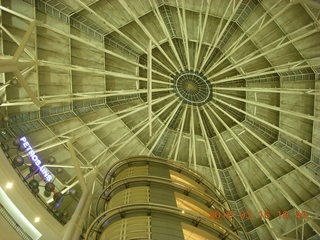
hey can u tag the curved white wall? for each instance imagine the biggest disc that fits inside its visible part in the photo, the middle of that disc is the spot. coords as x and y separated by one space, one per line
21 196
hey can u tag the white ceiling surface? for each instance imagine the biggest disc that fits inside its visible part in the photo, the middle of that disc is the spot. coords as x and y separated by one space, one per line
262 139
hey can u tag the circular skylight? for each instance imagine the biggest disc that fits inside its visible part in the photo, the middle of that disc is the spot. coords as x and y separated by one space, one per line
192 87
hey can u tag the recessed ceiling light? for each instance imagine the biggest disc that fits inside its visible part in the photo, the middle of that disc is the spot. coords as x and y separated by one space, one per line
9 185
36 219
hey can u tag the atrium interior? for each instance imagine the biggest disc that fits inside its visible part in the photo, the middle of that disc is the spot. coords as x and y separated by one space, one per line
229 89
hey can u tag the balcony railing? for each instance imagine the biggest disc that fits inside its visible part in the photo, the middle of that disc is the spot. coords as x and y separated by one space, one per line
13 224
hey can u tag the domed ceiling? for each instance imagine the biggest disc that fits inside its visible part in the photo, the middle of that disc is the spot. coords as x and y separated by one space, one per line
230 88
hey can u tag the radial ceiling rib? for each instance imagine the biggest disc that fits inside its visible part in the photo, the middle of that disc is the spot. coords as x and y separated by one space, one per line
210 47
240 42
274 108
176 136
128 114
202 27
292 66
152 138
219 33
159 17
81 9
108 24
183 35
157 133
145 30
193 139
121 33
74 159
125 143
149 86
190 148
134 129
100 155
101 122
16 41
180 133
312 3
271 147
165 126
12 64
272 90
95 71
129 109
258 163
270 125
212 161
76 38
241 175
136 133
279 44
124 136
198 35
312 14
185 31
80 96
91 162
24 41
28 89
296 45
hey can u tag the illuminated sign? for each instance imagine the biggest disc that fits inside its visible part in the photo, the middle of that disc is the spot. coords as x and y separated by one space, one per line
37 162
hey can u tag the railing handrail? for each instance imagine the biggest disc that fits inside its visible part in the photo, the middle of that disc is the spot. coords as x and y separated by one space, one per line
13 223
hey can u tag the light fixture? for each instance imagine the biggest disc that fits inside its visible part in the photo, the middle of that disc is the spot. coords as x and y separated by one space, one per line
182 211
9 185
36 219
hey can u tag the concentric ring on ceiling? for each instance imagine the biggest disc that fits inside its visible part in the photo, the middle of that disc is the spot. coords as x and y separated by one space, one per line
192 87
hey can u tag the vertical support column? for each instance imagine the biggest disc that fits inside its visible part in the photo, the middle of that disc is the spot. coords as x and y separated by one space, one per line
37 93
73 229
316 125
149 72
2 75
70 61
105 68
